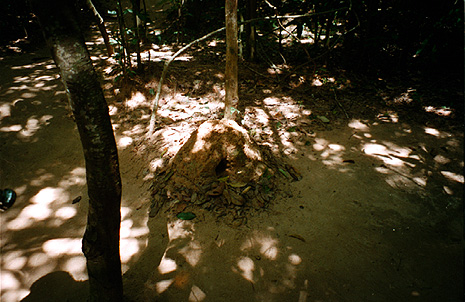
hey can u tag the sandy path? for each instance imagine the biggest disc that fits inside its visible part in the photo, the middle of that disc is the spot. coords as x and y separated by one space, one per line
376 217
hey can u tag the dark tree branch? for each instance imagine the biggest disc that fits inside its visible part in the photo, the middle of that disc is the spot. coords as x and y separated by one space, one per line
101 26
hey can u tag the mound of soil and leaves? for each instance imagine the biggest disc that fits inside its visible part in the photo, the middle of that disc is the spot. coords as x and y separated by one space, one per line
221 169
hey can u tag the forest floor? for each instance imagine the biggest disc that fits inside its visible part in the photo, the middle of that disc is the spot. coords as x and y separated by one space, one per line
376 216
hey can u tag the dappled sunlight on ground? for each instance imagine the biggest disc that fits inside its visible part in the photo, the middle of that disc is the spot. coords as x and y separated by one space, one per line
54 245
42 161
133 236
56 226
202 260
159 54
276 124
26 92
377 215
376 192
407 158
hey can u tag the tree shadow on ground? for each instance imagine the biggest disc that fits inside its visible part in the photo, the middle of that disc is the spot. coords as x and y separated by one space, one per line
58 286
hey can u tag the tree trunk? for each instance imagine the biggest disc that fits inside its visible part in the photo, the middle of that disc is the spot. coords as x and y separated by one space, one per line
124 52
250 30
329 26
231 100
101 239
136 20
101 26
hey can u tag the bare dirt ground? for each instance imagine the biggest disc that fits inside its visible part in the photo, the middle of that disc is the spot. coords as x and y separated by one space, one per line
377 215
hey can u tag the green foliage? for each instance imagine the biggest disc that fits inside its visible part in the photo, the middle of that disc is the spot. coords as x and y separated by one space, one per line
292 129
186 216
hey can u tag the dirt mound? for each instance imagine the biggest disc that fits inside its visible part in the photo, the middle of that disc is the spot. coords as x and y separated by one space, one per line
221 169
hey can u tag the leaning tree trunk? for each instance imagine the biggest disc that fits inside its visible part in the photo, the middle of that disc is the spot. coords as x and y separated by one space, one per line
101 239
101 26
231 99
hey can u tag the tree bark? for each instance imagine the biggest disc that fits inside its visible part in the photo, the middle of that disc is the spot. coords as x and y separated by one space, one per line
101 26
124 52
231 100
250 30
101 239
135 17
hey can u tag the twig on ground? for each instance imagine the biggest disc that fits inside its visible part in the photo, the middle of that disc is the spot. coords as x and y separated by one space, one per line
339 104
254 71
